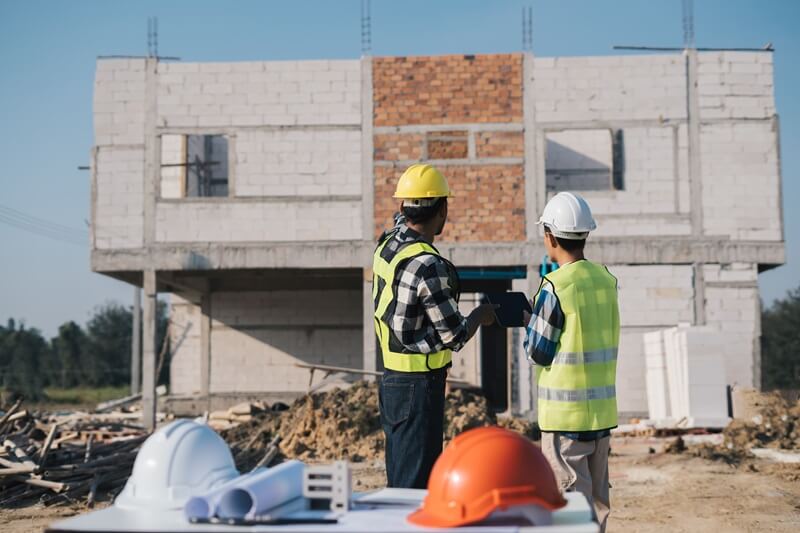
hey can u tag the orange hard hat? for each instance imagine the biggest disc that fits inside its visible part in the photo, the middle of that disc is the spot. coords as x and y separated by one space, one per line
481 471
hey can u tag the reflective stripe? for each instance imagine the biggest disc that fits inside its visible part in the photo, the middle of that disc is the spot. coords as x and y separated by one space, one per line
578 395
412 362
581 358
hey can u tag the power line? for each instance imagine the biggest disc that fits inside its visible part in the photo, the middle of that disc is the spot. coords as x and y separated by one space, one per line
41 227
40 221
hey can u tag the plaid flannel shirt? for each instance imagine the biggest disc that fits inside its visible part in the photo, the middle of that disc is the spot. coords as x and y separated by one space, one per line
424 317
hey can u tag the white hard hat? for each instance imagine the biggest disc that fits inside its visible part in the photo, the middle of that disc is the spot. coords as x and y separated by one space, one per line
568 216
180 460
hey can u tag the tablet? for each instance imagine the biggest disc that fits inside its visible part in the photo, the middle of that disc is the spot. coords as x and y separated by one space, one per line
509 314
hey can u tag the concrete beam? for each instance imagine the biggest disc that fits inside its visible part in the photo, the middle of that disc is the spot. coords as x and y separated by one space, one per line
367 149
355 254
149 351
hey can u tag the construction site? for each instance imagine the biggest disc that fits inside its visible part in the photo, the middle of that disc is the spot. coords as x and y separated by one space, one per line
251 195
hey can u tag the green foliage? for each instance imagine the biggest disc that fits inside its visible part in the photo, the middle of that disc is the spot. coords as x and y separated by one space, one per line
97 357
85 395
780 343
23 355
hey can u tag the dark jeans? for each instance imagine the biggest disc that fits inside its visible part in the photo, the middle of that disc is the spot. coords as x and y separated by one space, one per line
412 416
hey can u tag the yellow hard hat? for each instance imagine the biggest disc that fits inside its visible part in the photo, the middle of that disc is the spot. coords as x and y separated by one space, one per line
422 181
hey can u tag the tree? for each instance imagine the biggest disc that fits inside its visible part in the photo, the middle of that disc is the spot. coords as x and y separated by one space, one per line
24 354
69 350
108 353
780 343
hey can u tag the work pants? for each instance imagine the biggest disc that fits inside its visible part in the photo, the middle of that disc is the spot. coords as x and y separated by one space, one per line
581 466
412 416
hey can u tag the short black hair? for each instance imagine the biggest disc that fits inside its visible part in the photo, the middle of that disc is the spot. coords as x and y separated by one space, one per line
569 245
419 215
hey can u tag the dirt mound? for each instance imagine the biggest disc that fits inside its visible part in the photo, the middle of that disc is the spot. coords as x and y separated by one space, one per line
775 423
345 424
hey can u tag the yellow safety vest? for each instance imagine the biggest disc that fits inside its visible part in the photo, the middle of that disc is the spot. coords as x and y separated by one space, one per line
396 357
577 392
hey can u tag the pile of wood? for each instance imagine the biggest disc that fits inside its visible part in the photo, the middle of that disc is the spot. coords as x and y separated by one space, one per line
69 458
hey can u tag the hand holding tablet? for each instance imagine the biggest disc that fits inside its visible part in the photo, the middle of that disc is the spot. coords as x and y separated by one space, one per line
512 307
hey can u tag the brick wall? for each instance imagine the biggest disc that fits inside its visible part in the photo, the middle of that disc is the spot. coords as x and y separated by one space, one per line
454 89
489 204
414 99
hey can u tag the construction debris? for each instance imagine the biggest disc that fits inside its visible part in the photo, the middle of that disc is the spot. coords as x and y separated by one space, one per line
344 423
64 458
774 424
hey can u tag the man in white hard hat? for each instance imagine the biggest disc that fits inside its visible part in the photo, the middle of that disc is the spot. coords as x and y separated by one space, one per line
572 338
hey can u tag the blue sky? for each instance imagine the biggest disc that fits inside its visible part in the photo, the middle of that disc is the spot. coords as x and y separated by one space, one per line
47 61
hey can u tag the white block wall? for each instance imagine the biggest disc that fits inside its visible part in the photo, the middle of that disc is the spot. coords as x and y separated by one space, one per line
298 162
232 220
651 297
294 132
119 92
741 183
258 336
609 88
280 93
184 370
655 185
733 306
735 85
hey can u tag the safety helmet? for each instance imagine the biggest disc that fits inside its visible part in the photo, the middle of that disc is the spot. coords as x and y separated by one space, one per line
422 181
568 216
179 460
485 470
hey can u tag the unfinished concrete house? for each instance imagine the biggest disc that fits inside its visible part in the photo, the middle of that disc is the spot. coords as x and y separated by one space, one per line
253 193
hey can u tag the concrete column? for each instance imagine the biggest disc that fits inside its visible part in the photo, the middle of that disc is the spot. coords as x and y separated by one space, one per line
149 352
532 154
152 149
367 212
695 178
370 362
205 347
136 342
367 177
526 372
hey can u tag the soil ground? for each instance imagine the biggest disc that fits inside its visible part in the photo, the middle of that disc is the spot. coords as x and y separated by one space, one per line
652 492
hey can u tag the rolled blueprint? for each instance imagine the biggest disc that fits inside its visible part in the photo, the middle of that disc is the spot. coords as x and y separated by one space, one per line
263 491
204 505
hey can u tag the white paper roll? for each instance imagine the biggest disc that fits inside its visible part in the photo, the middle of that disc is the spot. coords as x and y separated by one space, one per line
262 492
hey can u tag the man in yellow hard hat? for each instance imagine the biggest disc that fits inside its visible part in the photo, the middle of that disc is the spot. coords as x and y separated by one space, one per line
415 291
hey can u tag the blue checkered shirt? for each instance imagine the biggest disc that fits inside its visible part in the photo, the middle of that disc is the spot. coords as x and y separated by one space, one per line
544 328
